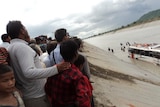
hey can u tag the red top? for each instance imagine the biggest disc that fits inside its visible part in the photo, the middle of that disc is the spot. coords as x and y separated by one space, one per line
4 56
69 87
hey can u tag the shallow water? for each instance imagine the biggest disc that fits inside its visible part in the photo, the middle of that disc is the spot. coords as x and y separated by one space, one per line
145 93
144 67
147 33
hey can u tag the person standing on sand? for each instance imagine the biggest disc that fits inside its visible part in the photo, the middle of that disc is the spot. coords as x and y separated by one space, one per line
60 35
86 69
29 73
79 63
69 88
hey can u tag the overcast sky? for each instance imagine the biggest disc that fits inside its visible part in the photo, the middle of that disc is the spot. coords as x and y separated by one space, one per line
81 18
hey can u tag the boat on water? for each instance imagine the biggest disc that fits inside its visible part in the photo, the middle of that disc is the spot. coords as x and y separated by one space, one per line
149 50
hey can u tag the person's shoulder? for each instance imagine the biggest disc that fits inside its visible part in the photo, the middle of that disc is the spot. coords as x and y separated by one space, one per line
3 48
81 53
85 57
44 56
18 44
18 96
75 72
17 91
57 48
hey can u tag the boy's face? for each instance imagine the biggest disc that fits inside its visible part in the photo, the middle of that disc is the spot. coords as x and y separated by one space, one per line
7 82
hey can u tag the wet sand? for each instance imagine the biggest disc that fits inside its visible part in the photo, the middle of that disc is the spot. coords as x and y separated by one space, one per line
120 83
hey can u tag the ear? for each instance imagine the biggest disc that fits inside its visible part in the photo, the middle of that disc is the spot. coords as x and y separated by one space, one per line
22 31
22 34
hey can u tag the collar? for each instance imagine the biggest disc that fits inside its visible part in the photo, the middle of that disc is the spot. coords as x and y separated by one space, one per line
18 40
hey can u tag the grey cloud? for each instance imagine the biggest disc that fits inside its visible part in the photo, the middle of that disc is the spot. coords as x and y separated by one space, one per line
103 17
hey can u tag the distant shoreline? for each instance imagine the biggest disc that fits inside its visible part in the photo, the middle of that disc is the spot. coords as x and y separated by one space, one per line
124 28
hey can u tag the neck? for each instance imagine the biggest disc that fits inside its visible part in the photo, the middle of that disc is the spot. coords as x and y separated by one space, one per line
4 94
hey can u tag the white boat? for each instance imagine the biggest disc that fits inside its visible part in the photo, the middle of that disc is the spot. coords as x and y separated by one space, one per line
150 50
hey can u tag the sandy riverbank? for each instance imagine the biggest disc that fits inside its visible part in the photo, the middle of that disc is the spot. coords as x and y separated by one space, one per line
116 85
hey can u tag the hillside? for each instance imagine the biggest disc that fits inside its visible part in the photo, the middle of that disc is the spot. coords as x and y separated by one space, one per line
153 15
146 18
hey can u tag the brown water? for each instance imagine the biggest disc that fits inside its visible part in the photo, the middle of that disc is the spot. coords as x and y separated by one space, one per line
146 93
147 33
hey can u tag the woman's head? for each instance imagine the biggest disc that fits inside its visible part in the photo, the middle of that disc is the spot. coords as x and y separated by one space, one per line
79 63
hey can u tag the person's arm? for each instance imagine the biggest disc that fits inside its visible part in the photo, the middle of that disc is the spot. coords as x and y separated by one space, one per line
26 58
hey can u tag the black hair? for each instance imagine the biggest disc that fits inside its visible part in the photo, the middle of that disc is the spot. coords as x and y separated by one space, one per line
79 61
60 34
13 28
51 46
68 50
4 68
78 41
4 37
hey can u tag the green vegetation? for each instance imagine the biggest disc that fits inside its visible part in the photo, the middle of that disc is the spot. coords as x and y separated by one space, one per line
148 17
153 15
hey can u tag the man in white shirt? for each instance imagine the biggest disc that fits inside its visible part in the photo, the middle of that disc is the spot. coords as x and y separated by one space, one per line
29 74
5 41
60 36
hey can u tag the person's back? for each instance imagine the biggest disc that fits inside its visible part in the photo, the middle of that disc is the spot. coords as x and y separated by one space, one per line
19 56
30 74
69 88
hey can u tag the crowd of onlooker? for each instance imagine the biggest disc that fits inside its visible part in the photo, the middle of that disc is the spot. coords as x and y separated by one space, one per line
41 71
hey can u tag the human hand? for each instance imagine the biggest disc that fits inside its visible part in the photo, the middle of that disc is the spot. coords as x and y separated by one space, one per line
63 66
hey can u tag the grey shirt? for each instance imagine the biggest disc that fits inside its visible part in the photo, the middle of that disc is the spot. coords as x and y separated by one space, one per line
29 73
86 68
